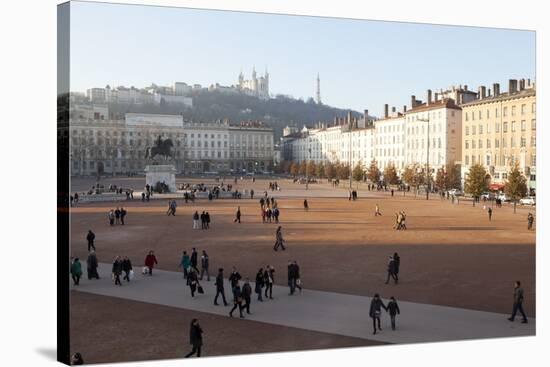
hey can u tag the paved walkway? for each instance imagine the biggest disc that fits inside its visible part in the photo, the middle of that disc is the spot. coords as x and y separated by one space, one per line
327 312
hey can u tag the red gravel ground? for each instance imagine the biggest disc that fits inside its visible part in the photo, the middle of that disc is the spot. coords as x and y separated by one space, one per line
107 329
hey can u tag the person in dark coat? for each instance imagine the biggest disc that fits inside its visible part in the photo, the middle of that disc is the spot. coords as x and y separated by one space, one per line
396 266
518 303
90 237
269 279
259 284
123 213
219 287
126 267
279 240
530 220
117 270
195 338
238 215
205 263
306 205
150 261
192 281
247 295
117 215
234 277
91 265
375 311
207 220
291 278
194 259
203 220
237 301
391 270
393 310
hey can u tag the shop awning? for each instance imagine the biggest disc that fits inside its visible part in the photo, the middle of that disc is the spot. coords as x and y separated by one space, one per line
496 186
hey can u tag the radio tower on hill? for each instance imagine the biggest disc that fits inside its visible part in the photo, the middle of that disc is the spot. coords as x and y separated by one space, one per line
318 93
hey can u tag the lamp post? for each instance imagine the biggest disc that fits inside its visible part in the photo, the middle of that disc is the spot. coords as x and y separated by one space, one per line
427 121
307 168
350 151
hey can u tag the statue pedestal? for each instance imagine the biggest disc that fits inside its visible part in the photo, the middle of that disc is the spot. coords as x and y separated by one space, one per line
162 173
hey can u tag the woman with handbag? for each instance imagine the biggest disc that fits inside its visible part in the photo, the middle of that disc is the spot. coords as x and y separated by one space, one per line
259 284
375 311
117 270
237 301
192 281
127 268
195 338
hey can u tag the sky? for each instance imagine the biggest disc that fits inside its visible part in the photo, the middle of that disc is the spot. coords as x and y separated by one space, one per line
362 64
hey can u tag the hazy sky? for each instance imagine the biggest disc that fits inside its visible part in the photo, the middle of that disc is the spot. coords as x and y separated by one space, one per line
362 64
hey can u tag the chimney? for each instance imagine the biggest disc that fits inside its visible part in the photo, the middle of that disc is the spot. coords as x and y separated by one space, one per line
404 108
366 113
349 117
413 101
335 120
482 91
428 96
393 109
465 87
386 111
512 86
522 84
489 92
496 89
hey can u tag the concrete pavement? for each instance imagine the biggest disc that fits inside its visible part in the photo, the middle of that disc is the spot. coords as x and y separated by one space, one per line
328 312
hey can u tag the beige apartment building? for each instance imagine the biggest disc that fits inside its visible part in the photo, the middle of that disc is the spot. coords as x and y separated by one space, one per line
499 130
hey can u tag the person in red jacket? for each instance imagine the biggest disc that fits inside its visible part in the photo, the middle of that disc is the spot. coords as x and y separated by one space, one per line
150 261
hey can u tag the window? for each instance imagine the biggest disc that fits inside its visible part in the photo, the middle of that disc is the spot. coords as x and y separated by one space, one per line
513 110
497 127
533 160
505 127
533 141
488 160
473 144
467 159
473 116
504 145
496 112
488 128
513 126
497 143
467 130
480 115
505 112
466 116
480 129
488 143
473 129
534 107
523 142
512 142
533 124
480 144
523 109
523 125
488 113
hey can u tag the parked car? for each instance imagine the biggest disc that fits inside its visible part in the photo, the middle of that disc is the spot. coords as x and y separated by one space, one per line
528 200
455 192
503 197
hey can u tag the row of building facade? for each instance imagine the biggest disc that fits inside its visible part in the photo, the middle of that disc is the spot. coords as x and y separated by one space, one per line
119 146
456 126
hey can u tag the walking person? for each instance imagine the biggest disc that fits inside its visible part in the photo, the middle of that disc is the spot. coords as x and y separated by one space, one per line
203 220
150 261
185 263
237 215
275 214
279 240
259 284
269 279
207 219
117 270
377 211
91 265
247 294
297 279
117 215
518 303
306 205
192 281
396 266
530 220
393 310
76 270
219 288
237 301
194 260
375 311
391 270
90 237
291 278
490 213
196 220
234 277
126 268
205 263
397 221
195 338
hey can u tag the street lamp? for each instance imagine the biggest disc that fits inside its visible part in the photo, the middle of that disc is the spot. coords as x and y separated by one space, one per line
350 150
307 168
427 121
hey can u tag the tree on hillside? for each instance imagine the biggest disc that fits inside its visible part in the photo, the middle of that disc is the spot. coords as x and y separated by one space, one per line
311 168
342 171
373 173
320 170
413 176
358 173
516 185
475 182
390 174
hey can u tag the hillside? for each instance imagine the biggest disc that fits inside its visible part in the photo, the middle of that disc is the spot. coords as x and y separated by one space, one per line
213 105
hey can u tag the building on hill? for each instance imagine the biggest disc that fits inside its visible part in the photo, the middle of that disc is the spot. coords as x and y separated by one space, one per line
257 86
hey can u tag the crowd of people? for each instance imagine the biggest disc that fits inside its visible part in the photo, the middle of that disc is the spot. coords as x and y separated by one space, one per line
116 216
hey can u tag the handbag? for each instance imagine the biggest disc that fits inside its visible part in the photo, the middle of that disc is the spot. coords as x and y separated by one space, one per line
377 314
131 274
200 290
298 281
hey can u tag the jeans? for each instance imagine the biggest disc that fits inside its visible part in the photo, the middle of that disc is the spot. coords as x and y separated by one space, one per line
76 279
374 319
205 270
218 292
235 305
518 306
392 317
91 245
269 287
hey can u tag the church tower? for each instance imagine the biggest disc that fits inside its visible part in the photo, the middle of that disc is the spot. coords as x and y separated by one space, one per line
318 90
241 79
254 81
